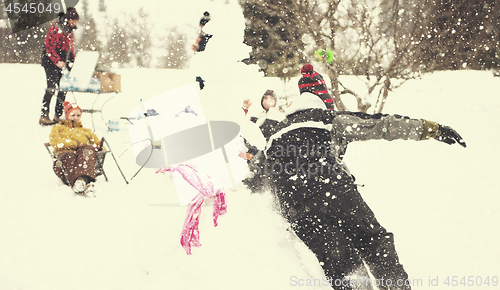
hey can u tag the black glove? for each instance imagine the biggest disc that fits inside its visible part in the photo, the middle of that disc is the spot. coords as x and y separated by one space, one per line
201 81
448 135
441 133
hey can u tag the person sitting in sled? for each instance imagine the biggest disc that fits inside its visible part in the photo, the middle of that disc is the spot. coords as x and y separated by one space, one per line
76 148
317 194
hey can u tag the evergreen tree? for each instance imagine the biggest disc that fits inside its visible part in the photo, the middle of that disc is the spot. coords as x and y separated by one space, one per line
274 37
21 45
87 38
26 46
140 40
7 53
102 6
117 49
176 53
462 34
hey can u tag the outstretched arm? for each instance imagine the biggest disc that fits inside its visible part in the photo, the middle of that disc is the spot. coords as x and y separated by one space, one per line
356 126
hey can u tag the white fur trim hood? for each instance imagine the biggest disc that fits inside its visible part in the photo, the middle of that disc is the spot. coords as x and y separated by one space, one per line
305 101
272 114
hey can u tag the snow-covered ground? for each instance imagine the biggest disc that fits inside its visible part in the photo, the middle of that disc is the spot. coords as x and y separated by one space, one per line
440 201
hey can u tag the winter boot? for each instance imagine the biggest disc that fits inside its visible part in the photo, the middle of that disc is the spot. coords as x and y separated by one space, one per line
46 121
57 118
79 186
90 190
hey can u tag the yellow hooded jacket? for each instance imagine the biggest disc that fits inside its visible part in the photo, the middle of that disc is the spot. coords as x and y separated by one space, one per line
66 135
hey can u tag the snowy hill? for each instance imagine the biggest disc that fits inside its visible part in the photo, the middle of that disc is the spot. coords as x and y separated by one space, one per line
440 201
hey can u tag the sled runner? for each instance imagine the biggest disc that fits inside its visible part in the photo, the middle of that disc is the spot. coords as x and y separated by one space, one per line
100 156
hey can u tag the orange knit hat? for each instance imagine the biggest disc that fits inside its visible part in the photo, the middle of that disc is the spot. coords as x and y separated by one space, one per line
68 108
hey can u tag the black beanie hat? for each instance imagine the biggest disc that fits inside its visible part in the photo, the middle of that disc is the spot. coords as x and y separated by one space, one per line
268 93
71 14
206 17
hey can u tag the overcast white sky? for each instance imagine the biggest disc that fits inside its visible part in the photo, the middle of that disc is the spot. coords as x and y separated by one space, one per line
183 14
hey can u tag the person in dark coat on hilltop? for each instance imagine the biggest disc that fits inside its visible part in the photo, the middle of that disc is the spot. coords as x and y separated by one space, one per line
312 82
318 196
58 53
203 38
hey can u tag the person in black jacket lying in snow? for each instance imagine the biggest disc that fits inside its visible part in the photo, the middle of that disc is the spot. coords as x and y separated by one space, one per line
317 194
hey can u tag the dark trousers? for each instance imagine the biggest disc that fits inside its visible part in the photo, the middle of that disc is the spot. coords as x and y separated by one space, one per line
73 164
54 75
342 231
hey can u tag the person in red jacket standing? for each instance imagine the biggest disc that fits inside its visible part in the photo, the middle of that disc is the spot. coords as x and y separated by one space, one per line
58 53
312 82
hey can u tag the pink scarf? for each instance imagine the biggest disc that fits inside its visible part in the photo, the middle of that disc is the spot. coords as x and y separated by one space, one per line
190 235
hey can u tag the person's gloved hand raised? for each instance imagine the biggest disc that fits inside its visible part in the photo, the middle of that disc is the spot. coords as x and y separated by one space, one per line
448 135
442 133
